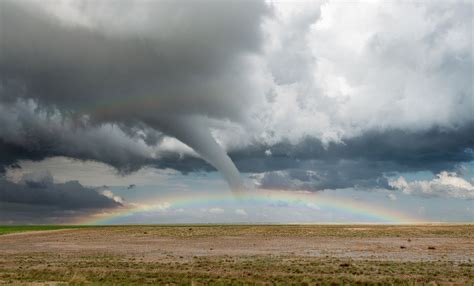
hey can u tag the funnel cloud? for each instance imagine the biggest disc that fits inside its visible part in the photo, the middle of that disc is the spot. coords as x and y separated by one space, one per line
194 133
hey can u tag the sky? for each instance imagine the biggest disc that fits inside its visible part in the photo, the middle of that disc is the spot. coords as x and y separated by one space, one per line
140 111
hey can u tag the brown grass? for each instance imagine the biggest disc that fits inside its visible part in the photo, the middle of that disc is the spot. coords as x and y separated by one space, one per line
241 255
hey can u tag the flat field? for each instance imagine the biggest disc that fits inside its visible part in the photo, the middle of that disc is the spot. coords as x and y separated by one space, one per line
240 255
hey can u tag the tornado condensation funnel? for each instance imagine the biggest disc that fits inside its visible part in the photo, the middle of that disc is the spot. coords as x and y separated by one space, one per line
193 132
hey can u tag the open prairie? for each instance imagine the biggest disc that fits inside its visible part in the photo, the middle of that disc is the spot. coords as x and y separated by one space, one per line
241 254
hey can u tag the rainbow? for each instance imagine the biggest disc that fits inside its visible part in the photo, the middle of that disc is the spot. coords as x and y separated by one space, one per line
368 213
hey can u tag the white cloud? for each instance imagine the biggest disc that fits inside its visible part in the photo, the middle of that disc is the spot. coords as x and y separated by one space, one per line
336 79
216 210
162 207
110 195
165 206
241 212
446 184
392 197
313 206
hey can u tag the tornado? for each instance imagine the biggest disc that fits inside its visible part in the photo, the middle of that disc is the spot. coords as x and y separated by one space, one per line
193 132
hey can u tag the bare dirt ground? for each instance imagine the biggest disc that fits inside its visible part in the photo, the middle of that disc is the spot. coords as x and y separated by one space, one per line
273 255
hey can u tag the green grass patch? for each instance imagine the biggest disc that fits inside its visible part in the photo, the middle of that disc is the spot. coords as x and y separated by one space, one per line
4 229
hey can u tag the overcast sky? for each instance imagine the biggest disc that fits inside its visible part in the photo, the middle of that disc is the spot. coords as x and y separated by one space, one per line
107 106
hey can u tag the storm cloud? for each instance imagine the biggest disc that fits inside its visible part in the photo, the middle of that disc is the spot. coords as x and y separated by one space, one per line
37 194
295 97
40 190
175 63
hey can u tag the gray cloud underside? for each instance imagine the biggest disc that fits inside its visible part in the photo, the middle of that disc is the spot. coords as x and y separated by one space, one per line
13 213
362 161
37 199
67 196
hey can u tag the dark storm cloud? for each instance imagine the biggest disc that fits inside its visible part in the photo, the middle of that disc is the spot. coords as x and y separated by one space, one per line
434 150
186 67
13 213
360 162
10 154
314 175
317 175
39 189
29 134
37 199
